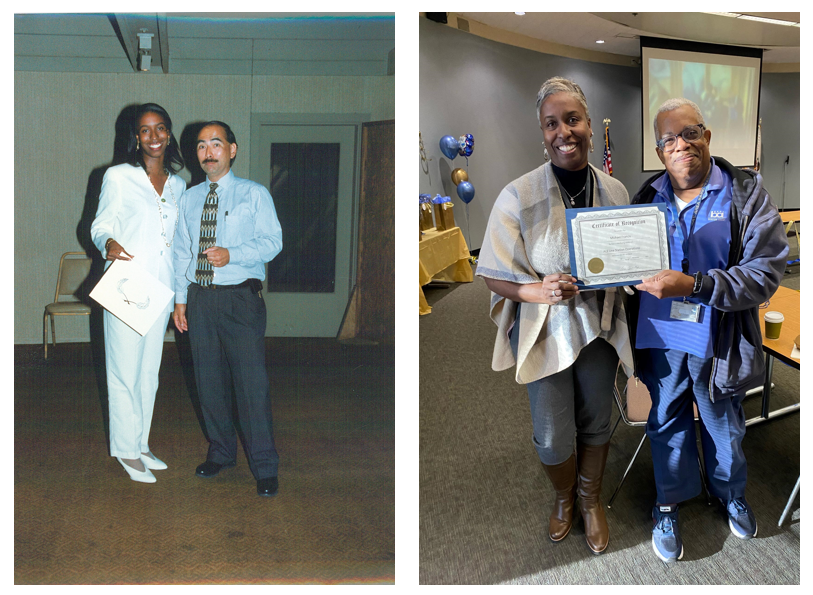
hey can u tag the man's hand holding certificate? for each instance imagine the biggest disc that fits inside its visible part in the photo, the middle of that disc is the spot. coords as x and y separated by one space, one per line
613 246
667 284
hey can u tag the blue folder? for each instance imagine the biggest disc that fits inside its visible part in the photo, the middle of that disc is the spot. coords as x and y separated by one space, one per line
571 214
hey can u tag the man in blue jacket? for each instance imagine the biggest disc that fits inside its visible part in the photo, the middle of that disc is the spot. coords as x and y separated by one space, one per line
696 327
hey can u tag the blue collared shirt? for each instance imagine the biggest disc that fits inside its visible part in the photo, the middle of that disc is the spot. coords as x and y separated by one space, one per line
247 225
708 248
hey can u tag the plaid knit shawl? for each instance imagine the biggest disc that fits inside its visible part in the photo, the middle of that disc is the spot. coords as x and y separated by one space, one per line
526 239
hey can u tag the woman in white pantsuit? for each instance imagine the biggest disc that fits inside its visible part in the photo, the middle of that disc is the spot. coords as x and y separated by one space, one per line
138 208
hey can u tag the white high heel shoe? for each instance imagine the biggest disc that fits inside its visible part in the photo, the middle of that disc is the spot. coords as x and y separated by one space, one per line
143 476
152 463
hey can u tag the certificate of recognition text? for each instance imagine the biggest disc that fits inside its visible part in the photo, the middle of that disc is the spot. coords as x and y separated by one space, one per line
612 246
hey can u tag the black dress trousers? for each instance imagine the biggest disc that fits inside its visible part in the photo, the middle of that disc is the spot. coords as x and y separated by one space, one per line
227 336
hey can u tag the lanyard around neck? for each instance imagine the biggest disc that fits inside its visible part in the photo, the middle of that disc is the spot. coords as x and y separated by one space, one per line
679 228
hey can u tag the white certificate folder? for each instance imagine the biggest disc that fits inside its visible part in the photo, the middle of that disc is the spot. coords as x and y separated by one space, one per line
613 246
133 295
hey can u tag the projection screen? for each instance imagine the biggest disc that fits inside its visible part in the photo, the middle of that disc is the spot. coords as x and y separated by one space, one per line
722 80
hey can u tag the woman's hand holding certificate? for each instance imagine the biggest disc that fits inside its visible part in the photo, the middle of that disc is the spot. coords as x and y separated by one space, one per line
552 290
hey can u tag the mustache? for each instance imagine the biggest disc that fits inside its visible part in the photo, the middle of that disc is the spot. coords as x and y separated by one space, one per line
210 161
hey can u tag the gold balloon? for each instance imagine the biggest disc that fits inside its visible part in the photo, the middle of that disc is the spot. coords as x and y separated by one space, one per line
459 175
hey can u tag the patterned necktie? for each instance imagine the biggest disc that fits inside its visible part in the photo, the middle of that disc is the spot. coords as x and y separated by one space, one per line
208 228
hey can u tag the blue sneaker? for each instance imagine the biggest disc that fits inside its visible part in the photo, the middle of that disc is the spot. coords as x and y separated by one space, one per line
740 518
665 535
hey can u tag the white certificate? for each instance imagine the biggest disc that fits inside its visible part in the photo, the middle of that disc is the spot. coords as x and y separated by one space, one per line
612 246
129 292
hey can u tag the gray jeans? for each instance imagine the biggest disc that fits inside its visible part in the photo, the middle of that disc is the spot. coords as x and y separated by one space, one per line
574 402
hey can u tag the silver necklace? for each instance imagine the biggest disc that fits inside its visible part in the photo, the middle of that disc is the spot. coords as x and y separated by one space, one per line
572 198
158 201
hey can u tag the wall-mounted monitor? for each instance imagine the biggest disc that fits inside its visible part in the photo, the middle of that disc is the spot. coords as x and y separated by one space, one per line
722 80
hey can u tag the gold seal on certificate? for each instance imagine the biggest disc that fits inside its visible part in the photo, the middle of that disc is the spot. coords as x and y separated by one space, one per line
612 246
596 265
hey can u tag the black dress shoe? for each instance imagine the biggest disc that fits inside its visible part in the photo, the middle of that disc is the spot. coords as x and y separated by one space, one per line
268 486
210 469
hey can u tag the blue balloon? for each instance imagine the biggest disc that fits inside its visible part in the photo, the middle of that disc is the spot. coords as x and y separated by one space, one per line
465 191
449 146
465 145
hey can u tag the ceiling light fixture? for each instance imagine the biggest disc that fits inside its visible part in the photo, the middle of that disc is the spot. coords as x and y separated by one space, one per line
144 48
599 41
748 17
519 13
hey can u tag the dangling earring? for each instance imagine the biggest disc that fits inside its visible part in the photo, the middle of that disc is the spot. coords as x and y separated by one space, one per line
591 146
547 157
169 139
138 145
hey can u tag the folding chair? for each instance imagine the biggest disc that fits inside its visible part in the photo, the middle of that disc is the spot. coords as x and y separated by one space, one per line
74 268
634 411
793 495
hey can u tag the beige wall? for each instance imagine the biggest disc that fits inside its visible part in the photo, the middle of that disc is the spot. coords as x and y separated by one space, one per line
64 129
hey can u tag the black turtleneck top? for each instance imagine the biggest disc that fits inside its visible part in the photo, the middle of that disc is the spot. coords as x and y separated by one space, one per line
574 182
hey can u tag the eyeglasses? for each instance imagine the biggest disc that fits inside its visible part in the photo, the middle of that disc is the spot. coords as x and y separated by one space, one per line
690 134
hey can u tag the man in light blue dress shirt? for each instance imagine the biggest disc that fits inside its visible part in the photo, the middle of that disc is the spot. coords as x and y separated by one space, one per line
218 299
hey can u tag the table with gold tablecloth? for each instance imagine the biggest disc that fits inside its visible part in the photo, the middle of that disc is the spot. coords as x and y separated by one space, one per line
444 256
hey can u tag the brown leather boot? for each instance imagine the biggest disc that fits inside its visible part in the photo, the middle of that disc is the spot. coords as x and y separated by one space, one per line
591 460
563 478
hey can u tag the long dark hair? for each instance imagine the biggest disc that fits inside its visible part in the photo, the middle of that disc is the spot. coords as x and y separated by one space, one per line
172 157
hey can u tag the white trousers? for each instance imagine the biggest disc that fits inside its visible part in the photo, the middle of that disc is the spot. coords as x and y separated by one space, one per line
132 380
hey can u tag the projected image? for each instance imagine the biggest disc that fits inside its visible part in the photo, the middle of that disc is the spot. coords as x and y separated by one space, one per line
722 92
725 87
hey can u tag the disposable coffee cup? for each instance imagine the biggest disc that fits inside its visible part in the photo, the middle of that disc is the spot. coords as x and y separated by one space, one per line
773 324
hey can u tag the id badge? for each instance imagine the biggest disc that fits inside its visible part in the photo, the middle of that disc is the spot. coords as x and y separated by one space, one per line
685 311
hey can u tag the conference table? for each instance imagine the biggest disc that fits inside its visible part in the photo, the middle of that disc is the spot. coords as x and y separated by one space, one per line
790 218
787 302
444 256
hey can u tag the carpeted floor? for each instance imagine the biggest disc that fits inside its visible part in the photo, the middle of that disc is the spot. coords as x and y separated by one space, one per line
78 518
485 499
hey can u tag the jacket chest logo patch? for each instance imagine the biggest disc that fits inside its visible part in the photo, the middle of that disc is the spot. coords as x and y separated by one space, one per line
717 215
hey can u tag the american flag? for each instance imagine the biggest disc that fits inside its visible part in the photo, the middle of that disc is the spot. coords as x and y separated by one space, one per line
608 160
